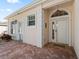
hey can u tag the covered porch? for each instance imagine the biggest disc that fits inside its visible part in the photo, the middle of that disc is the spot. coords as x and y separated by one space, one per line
58 24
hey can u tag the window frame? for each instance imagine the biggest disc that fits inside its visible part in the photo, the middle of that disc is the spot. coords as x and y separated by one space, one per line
12 24
31 20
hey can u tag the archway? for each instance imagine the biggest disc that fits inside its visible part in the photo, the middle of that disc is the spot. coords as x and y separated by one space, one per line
59 27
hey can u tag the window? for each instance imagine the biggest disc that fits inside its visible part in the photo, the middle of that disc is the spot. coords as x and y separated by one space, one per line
31 20
13 24
59 13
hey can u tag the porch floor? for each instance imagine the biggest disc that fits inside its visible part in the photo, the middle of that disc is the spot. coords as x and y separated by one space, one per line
17 50
63 50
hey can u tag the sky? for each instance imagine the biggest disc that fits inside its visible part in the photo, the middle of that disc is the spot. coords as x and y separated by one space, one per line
9 6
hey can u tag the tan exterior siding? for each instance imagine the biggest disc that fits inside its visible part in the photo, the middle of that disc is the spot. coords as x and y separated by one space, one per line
31 34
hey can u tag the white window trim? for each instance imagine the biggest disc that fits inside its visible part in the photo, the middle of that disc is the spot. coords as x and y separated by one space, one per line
30 20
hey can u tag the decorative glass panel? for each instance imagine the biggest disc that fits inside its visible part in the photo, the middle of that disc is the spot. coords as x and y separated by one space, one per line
53 31
59 13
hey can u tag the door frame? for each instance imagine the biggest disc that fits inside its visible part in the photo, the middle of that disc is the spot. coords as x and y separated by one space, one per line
69 28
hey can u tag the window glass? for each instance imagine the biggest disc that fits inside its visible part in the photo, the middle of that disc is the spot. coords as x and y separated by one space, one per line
31 20
13 26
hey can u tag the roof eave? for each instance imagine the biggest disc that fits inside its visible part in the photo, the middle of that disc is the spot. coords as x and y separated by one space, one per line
24 8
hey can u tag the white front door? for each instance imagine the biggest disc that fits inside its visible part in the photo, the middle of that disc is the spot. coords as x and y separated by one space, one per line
59 29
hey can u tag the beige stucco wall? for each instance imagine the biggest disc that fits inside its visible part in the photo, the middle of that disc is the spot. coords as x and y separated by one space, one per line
76 41
46 29
31 34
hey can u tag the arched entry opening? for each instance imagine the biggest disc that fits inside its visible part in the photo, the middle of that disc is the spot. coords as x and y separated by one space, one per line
59 27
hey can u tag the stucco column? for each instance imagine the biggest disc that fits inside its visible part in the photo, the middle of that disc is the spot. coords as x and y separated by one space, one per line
76 41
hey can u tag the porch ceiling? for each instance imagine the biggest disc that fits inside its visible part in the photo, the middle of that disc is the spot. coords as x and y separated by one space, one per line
52 3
